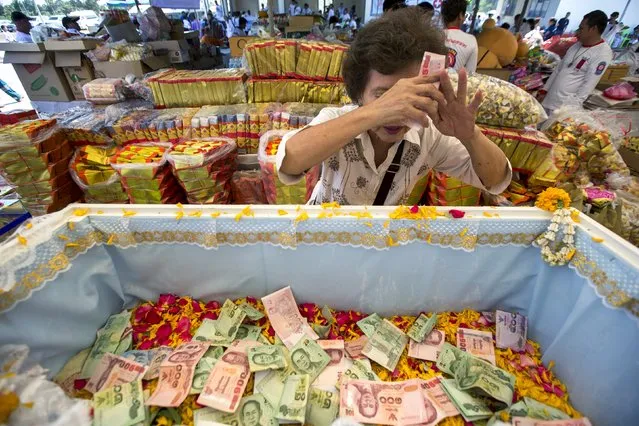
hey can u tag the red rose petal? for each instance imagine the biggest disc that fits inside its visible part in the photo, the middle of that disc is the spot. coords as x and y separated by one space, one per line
164 331
152 317
196 306
209 315
184 324
174 310
147 344
182 301
251 300
79 384
186 336
212 305
457 214
141 328
167 299
414 209
141 311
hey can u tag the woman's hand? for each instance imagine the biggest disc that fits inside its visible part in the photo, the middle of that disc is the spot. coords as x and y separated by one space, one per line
455 117
407 103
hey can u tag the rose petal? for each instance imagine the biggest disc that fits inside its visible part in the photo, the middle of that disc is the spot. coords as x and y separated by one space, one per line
182 301
174 310
456 214
79 384
251 300
186 337
141 311
414 209
167 299
196 306
141 328
209 315
164 331
184 324
212 305
152 317
147 344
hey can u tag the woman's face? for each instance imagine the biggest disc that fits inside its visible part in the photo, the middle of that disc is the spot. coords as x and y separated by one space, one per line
377 85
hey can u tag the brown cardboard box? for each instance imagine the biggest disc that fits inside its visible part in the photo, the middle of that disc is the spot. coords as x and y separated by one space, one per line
74 45
120 69
35 68
237 45
68 56
178 50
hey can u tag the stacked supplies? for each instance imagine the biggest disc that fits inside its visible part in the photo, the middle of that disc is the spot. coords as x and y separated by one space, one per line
294 90
84 126
525 148
90 168
143 125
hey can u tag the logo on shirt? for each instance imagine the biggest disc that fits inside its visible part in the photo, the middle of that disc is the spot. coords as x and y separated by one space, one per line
452 57
600 68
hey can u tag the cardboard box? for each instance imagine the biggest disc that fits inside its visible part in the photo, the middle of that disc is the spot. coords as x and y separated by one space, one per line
237 45
178 50
138 68
36 70
75 45
76 68
631 158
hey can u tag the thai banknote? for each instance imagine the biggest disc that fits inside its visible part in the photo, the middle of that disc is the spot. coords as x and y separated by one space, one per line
476 376
328 314
434 389
141 357
529 407
271 385
526 421
107 341
285 317
266 358
176 375
417 407
512 330
369 324
121 405
386 345
371 402
477 343
67 376
360 370
229 320
336 366
322 407
355 347
248 332
429 349
292 405
251 312
154 366
253 410
308 357
227 381
449 358
321 330
204 367
207 332
126 340
422 327
471 408
114 370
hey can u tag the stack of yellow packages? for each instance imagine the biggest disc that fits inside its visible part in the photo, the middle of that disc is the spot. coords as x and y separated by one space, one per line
525 148
84 126
204 169
34 158
90 168
295 71
143 125
195 88
444 190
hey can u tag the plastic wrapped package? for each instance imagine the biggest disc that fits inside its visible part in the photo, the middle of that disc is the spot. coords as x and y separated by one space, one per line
91 170
504 104
301 114
195 88
204 169
526 149
247 187
84 126
115 111
143 125
12 117
154 25
104 90
276 191
629 216
292 90
34 158
559 44
444 190
123 51
146 175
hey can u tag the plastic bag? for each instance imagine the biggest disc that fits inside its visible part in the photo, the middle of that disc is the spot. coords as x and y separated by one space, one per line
276 191
146 175
620 91
84 126
143 125
204 169
195 88
526 149
91 170
154 25
629 216
104 90
505 105
247 187
559 44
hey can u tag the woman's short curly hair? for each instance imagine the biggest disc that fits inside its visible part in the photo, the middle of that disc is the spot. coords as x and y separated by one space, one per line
389 44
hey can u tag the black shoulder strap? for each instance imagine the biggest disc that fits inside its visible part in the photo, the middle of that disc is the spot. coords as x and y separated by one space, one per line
393 168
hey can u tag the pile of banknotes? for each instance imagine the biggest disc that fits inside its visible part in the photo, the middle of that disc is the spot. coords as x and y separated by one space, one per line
232 374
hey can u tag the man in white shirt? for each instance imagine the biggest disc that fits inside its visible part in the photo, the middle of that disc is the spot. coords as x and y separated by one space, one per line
341 9
294 9
219 12
612 28
462 47
23 27
307 10
581 68
403 126
331 12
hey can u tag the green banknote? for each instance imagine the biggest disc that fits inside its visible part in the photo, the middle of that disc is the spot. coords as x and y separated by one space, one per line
321 330
422 327
121 405
253 410
479 377
108 340
228 323
308 357
360 370
203 368
266 358
252 313
386 345
470 407
292 405
369 324
322 407
532 408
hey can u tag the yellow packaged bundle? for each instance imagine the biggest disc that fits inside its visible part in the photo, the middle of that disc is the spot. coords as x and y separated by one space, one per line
165 125
84 126
525 148
444 190
303 59
335 67
91 170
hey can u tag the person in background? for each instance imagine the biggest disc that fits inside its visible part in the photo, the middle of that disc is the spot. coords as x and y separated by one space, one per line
534 38
346 17
9 91
563 24
353 10
374 152
333 22
240 29
526 26
195 23
264 8
353 25
70 24
462 47
581 68
294 9
341 9
331 12
393 5
427 7
498 21
505 26
307 10
612 28
185 21
517 21
550 29
23 26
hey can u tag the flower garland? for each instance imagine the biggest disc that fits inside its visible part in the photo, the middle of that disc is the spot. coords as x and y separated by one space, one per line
554 252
